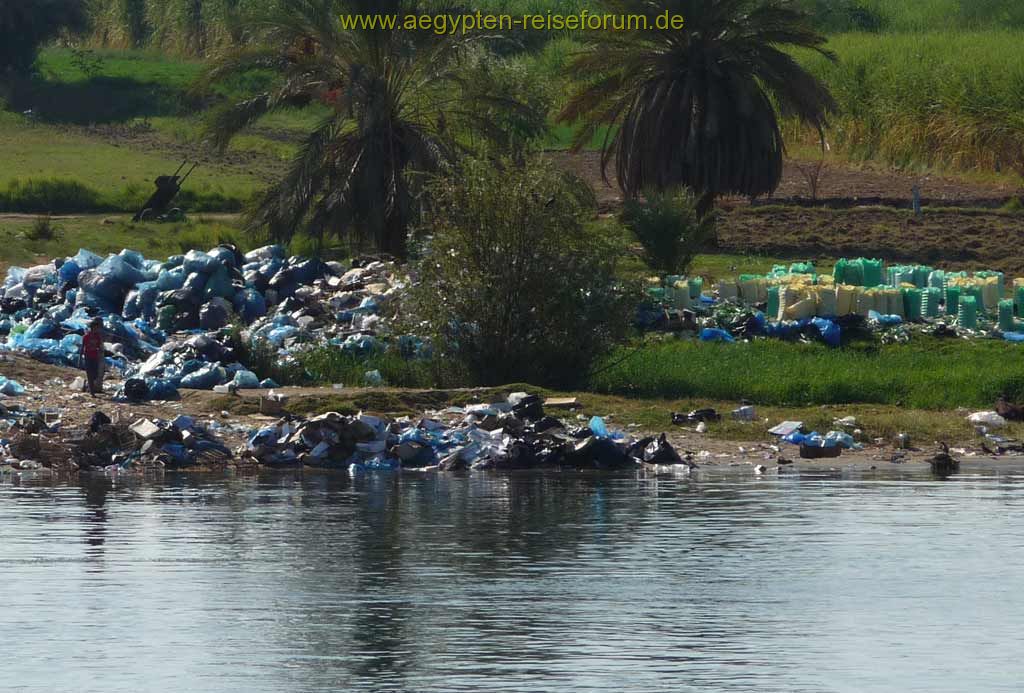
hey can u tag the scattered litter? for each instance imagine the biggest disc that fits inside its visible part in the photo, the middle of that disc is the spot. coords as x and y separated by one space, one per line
562 403
746 414
696 416
786 428
987 418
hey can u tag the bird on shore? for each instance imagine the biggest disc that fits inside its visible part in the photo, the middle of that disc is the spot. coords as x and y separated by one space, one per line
1008 410
944 464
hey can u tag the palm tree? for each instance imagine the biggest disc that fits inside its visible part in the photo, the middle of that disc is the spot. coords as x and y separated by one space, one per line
698 106
395 107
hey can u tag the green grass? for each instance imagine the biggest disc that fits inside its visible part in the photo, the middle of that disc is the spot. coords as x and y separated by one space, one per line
110 235
925 374
716 266
147 123
41 152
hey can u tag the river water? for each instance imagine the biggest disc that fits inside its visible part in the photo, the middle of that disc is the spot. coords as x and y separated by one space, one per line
852 582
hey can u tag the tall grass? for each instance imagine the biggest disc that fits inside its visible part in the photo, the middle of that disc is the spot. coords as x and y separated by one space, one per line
949 99
926 374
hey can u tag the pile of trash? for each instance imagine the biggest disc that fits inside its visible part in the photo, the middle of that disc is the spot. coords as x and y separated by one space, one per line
33 440
166 322
814 445
797 302
510 435
28 439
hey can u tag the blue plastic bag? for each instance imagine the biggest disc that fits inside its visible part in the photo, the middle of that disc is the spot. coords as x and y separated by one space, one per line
11 388
250 304
246 380
118 269
831 333
171 280
87 260
598 428
69 272
205 378
711 334
884 320
196 261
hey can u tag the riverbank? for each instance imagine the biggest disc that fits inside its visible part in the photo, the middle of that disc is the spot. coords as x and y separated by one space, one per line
728 446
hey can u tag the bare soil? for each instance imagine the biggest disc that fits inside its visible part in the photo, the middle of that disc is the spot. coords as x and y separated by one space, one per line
861 211
955 240
840 185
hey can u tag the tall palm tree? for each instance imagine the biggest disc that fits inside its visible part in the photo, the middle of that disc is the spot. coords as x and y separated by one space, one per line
395 108
698 106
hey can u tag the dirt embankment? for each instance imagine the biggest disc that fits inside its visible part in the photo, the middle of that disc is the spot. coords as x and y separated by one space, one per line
48 387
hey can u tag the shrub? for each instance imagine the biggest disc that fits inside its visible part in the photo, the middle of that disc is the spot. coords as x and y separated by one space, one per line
512 285
42 229
667 226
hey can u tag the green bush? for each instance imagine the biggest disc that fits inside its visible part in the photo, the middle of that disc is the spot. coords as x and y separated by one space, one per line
512 285
667 226
42 229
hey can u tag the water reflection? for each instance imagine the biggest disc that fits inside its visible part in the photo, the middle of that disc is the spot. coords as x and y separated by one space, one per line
835 581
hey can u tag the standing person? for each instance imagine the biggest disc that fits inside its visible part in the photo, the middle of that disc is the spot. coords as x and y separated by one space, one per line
92 354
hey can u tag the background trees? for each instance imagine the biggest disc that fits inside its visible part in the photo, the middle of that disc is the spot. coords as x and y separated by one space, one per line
698 107
26 25
399 101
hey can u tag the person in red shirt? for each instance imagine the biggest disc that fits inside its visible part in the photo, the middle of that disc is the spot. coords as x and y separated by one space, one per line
92 354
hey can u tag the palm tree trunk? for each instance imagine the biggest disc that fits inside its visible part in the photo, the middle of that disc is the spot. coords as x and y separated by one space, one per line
705 205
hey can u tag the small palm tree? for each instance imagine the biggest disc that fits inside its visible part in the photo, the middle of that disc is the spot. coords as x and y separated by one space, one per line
395 107
698 106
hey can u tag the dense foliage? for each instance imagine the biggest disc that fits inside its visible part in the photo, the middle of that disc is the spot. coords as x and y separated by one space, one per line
669 229
25 25
513 284
699 106
398 102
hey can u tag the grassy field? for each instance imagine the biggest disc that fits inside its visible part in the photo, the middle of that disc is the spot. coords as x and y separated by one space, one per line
951 99
925 374
93 137
110 235
943 100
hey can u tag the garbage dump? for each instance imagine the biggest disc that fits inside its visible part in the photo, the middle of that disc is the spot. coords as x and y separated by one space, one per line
511 435
166 323
860 294
39 440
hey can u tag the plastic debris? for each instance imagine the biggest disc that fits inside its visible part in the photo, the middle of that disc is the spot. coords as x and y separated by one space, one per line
987 418
786 428
11 388
487 436
168 320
